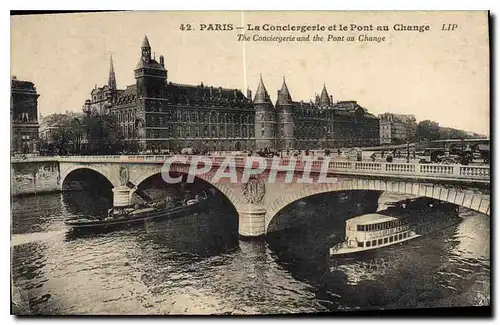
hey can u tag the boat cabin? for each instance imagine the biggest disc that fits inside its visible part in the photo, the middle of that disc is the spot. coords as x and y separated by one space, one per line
372 230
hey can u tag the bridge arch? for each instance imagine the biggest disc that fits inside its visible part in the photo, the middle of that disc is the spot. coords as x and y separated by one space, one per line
226 190
461 197
102 172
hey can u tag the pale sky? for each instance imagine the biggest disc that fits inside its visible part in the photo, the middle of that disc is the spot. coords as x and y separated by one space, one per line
437 75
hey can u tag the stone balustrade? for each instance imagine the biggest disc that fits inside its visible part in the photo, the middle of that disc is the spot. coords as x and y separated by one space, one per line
459 172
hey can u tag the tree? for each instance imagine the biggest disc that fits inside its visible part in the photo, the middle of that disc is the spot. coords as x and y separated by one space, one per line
65 134
78 133
428 130
70 132
103 134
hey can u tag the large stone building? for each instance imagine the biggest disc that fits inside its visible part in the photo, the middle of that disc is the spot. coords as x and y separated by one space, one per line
156 114
397 128
24 117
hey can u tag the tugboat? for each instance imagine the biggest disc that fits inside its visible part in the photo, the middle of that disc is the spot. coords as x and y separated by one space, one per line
402 221
140 213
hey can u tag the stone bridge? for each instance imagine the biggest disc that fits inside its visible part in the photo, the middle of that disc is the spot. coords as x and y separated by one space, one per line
258 201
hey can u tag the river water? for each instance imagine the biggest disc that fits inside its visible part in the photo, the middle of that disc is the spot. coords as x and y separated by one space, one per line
198 265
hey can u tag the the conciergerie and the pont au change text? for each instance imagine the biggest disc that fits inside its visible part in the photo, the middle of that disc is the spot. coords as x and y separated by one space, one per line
310 32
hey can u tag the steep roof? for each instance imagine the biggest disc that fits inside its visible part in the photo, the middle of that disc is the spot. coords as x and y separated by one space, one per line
128 95
145 42
206 95
284 97
324 99
152 64
112 77
261 95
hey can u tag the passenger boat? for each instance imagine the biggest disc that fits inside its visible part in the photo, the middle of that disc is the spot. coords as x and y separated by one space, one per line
397 224
127 216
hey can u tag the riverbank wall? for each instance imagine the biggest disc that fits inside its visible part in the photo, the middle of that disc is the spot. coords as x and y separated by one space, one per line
34 177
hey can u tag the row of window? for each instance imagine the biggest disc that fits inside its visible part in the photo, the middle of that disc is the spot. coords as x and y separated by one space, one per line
124 116
386 240
315 113
213 117
160 122
382 225
129 115
197 132
335 126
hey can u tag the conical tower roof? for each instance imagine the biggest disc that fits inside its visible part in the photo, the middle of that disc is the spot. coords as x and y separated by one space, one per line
112 78
145 42
324 99
261 95
284 97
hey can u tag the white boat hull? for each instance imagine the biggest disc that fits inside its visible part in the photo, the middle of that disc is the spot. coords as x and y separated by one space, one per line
344 250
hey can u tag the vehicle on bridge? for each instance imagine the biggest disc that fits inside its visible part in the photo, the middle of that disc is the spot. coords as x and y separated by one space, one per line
448 157
484 153
140 214
403 221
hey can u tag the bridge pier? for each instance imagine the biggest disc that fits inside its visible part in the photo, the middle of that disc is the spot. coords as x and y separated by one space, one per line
121 196
252 220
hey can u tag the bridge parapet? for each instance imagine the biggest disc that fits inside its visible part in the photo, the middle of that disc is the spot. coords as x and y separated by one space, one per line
458 184
315 164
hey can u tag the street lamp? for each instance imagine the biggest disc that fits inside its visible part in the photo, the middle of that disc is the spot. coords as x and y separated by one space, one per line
408 136
407 150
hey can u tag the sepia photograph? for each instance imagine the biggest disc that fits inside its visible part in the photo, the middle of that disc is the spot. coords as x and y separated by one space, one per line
250 163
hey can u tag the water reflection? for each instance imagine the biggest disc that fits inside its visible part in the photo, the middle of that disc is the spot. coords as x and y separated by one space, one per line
87 203
198 265
371 266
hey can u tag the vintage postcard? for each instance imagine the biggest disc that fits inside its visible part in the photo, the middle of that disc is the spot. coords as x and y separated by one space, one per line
254 163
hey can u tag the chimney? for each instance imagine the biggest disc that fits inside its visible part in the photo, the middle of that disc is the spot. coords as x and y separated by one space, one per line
249 94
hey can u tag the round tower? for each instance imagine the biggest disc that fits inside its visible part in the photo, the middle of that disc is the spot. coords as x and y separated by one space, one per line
284 119
265 119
